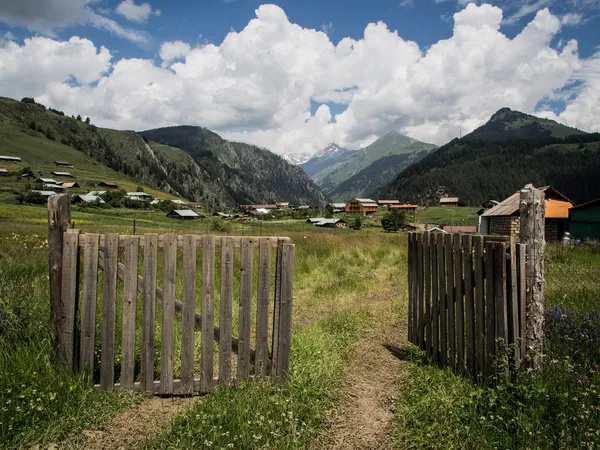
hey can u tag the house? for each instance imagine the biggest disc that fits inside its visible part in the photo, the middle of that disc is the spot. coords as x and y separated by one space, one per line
405 207
282 205
258 212
336 207
584 220
436 230
361 206
69 185
503 219
303 207
251 207
460 229
183 214
386 204
44 193
449 201
108 184
139 196
47 180
87 199
3 172
223 215
14 159
62 174
179 202
62 164
53 186
331 223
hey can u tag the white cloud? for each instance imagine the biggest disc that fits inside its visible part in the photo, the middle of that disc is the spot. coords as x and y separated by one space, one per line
257 85
571 19
170 51
135 13
46 16
406 4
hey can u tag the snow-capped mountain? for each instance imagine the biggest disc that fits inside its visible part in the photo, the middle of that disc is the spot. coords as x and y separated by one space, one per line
297 158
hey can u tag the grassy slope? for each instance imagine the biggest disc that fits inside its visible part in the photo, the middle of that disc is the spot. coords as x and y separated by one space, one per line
39 153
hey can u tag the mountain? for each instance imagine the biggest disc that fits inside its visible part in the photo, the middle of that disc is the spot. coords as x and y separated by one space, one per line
348 166
209 169
296 158
329 156
482 166
239 173
508 124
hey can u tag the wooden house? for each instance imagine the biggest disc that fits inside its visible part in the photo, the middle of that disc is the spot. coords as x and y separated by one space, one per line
282 205
449 201
183 214
584 220
14 159
87 199
336 207
62 164
70 185
108 184
361 206
3 172
387 204
504 220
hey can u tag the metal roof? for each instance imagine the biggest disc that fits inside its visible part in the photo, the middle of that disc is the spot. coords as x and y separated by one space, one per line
70 184
44 193
449 200
388 202
47 180
184 213
138 194
62 174
337 205
365 200
10 158
556 208
90 198
108 183
52 186
62 163
586 204
326 221
96 193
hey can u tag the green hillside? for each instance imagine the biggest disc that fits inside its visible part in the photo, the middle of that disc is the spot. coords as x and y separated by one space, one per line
209 173
38 153
479 170
393 143
508 124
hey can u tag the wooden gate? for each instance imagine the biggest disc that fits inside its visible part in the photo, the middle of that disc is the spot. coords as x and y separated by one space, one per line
144 347
467 300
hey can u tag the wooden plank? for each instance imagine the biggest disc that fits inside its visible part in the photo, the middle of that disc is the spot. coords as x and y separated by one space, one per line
59 221
442 300
469 305
459 304
276 306
450 314
69 292
149 311
168 315
409 270
490 308
522 288
512 300
500 295
225 312
109 310
88 301
208 312
427 277
129 312
420 292
285 324
187 313
435 301
480 350
237 241
262 307
244 317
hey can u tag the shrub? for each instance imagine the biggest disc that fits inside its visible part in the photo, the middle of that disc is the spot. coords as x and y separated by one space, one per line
357 223
393 220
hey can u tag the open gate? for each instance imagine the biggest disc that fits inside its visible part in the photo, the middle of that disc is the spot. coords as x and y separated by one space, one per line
111 285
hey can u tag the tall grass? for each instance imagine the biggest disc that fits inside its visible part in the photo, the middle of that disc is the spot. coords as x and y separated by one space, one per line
38 403
557 408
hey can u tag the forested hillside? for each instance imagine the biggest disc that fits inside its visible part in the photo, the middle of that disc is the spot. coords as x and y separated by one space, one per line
479 170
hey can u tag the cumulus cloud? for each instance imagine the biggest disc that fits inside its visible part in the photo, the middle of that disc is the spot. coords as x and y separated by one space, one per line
46 16
258 84
136 13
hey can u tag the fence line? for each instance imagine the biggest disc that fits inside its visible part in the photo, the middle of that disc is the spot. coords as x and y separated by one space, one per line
467 300
117 257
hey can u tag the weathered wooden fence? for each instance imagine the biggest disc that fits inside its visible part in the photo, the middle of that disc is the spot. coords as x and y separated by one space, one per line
117 259
467 300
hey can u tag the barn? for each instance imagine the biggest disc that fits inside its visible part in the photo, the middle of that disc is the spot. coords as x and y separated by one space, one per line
584 220
183 214
504 220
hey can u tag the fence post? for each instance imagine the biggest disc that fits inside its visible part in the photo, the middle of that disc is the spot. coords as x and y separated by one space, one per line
59 220
531 210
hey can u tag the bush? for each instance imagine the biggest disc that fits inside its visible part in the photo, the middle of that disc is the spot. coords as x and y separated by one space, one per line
33 198
221 225
357 223
393 220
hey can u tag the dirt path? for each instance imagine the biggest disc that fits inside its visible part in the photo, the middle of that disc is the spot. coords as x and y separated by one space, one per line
363 420
135 425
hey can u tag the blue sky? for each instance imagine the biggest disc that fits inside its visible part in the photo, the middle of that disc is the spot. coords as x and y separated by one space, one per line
298 75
